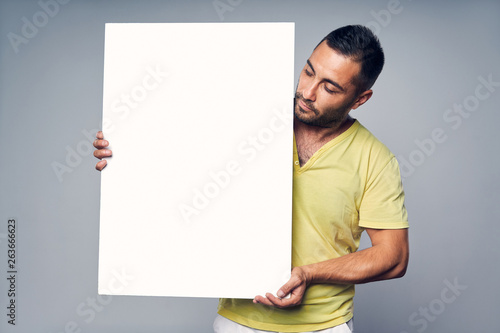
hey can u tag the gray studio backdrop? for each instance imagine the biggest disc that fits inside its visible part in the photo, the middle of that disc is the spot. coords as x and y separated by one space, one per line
435 106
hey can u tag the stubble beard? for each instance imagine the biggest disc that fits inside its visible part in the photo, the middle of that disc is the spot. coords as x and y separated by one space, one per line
332 117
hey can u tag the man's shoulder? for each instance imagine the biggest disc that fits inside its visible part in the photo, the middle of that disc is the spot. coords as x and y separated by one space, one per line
370 144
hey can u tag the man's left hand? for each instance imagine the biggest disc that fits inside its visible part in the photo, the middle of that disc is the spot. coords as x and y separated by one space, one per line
295 288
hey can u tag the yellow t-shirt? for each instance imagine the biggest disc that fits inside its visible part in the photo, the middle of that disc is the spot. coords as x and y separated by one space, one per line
351 183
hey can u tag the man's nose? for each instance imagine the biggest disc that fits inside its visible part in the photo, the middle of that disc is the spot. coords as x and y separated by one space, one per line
310 92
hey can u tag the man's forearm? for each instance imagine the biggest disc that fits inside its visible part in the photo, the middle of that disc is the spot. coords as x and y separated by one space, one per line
386 259
382 261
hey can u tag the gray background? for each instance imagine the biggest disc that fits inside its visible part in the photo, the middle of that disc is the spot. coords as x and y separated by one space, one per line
51 93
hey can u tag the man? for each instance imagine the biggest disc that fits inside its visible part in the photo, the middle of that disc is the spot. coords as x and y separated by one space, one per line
345 182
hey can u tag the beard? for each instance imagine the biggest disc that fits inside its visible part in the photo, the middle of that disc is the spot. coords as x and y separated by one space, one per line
330 117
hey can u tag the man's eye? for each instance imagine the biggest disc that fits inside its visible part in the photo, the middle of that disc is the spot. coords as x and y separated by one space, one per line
330 91
307 72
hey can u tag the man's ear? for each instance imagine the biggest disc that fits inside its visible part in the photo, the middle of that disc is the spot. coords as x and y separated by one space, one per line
362 99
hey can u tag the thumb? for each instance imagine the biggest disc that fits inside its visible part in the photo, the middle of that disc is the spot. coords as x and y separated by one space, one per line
287 288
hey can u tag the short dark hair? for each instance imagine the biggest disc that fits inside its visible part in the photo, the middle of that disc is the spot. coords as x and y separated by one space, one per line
360 44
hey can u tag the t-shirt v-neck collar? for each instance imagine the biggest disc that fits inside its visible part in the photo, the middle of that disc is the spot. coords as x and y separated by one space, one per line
324 148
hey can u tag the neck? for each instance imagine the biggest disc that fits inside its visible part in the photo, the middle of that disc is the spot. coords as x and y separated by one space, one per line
317 134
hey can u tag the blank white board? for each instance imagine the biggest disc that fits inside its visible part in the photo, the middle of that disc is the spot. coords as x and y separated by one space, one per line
197 198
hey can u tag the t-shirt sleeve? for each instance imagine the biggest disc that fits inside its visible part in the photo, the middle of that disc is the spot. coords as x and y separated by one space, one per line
382 205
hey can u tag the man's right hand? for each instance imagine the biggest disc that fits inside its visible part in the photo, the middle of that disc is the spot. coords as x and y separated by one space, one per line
101 151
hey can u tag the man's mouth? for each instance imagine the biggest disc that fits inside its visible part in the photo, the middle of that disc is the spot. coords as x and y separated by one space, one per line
305 107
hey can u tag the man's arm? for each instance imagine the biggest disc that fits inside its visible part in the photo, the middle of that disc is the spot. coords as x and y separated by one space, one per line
387 258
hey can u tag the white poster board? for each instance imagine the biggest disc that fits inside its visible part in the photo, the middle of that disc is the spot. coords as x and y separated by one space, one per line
197 198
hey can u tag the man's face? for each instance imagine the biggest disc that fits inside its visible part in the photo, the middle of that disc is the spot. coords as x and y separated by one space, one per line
326 91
